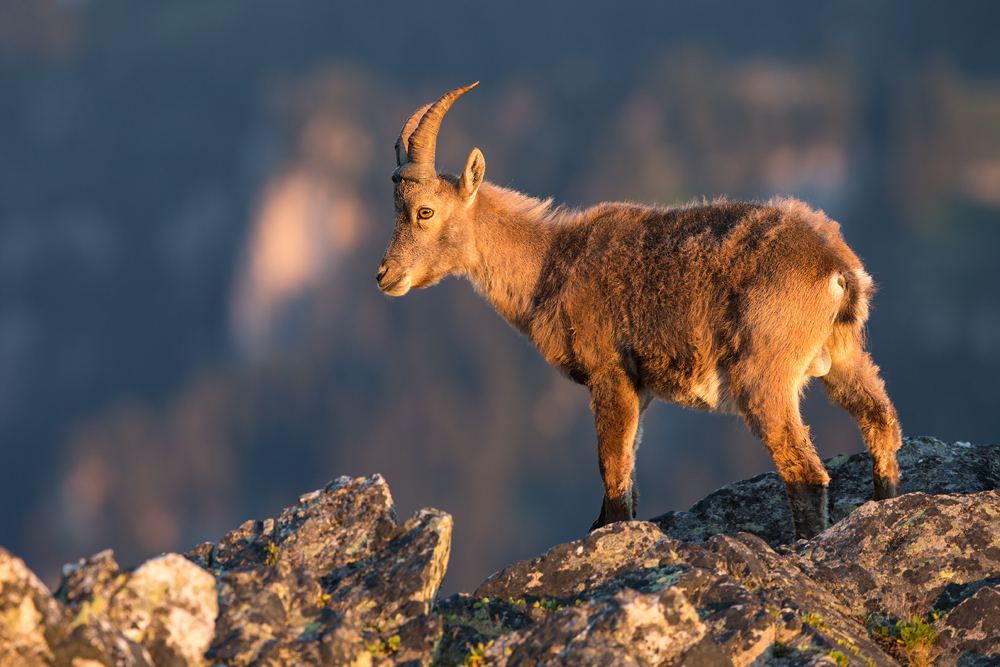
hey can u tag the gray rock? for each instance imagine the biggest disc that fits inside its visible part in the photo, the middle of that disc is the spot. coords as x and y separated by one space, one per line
336 579
900 556
36 629
918 555
970 633
89 578
570 569
333 578
168 605
749 598
89 638
28 615
161 613
758 505
859 593
630 629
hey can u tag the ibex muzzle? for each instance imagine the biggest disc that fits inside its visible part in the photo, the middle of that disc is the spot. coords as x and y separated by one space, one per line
731 307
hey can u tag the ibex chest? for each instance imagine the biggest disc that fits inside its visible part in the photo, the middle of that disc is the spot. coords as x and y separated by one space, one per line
560 343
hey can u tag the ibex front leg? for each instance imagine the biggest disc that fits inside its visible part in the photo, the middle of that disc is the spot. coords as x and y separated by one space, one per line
617 410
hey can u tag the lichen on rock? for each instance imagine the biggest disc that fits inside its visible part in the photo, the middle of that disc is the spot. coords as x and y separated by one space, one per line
900 555
337 579
27 614
168 605
759 506
338 559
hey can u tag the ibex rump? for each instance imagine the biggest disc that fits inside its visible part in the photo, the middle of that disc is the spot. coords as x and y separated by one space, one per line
730 307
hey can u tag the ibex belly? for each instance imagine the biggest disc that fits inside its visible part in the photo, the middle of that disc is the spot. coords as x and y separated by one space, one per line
709 392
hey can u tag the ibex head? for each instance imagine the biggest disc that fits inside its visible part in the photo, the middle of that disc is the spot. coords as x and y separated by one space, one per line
431 238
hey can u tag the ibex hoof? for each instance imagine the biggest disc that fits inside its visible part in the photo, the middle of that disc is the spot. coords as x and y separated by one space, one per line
885 488
808 503
613 509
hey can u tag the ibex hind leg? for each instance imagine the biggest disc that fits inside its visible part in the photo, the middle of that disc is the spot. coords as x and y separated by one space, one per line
772 414
854 383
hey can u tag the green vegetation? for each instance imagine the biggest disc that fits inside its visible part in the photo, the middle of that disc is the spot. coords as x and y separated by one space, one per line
384 648
551 605
915 632
910 640
849 646
916 638
477 654
815 620
272 554
481 619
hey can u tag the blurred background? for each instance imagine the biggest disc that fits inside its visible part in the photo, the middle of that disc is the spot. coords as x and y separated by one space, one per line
194 198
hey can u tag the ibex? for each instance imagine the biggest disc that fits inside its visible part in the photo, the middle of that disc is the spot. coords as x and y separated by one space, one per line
731 307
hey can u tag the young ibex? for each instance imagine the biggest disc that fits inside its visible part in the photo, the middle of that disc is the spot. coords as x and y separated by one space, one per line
730 307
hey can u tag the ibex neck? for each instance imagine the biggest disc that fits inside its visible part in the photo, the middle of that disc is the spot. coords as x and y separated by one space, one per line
512 238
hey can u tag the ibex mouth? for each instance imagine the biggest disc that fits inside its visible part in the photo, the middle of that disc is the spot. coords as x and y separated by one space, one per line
395 286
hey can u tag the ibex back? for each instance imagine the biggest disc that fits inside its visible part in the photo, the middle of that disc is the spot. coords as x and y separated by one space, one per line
730 307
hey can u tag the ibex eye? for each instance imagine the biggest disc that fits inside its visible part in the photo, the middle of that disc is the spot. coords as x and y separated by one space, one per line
423 213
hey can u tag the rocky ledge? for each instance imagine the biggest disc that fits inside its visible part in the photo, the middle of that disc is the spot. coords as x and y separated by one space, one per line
338 580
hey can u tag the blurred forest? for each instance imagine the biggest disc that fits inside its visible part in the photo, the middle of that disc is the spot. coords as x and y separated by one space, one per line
195 195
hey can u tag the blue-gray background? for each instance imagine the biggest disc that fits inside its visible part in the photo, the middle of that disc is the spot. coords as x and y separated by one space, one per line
194 197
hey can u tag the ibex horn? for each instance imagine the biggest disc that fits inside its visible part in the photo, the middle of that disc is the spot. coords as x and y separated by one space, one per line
420 144
403 143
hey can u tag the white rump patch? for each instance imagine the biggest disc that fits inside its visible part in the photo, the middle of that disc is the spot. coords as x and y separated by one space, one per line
837 286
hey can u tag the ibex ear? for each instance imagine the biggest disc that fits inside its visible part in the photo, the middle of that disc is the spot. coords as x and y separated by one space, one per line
472 177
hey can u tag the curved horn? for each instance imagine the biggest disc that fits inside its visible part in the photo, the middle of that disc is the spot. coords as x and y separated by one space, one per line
403 143
423 140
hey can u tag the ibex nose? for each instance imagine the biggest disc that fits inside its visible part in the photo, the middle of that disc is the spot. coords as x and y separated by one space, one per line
381 273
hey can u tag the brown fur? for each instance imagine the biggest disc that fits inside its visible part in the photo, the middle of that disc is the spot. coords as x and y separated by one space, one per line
723 306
